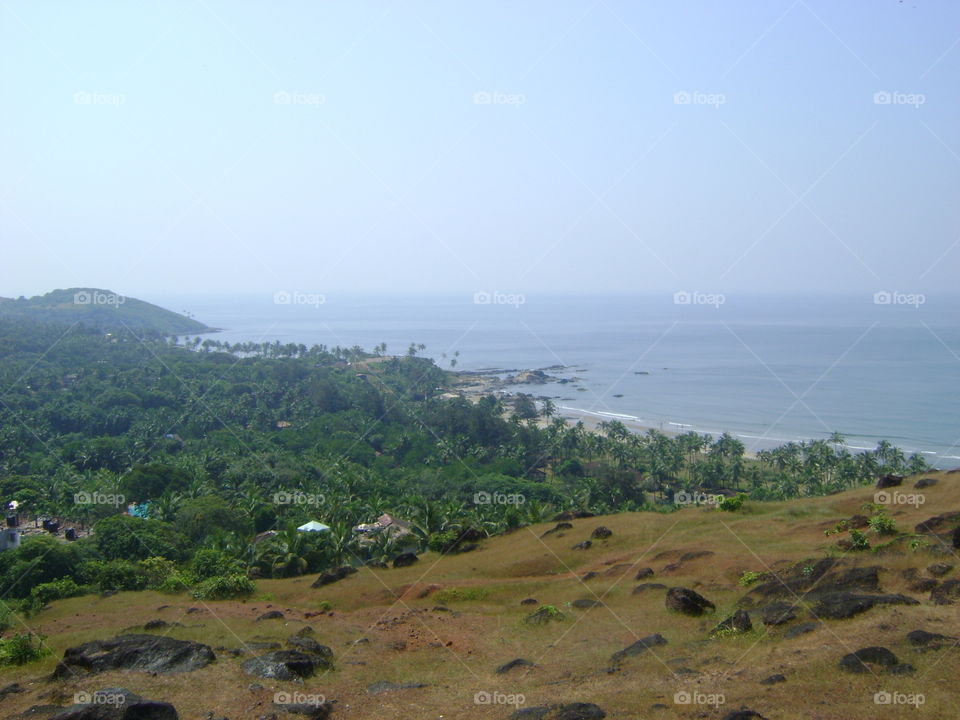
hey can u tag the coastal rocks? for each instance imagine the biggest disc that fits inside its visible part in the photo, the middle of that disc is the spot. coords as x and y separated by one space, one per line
889 481
284 665
116 704
332 576
145 653
946 594
405 559
639 647
687 602
778 613
515 663
844 605
643 587
601 533
862 660
568 711
739 622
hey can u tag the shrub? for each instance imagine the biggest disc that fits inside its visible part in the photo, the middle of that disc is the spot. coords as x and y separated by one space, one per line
858 540
224 588
750 577
6 617
461 594
21 649
157 571
209 563
443 542
115 575
46 593
733 504
883 525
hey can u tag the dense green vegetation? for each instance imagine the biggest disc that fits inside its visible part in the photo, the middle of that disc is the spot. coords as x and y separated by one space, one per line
224 443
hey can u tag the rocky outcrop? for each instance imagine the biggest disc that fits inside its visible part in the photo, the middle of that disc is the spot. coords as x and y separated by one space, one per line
889 481
332 576
739 622
515 663
870 659
601 533
405 559
639 647
117 704
146 653
844 605
688 602
285 665
569 711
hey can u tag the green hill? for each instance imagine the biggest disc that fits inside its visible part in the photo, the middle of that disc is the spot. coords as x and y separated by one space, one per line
99 308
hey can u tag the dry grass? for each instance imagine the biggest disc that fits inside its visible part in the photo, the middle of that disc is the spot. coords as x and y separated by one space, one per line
455 652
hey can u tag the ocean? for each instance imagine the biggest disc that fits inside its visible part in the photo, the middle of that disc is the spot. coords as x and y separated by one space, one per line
767 369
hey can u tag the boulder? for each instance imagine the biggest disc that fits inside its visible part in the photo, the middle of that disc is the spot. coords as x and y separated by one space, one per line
601 533
939 569
528 601
644 573
284 665
586 603
308 645
925 483
568 711
117 704
889 481
695 555
737 623
938 523
515 663
946 594
585 545
559 527
146 653
778 613
405 559
801 629
861 660
928 640
643 587
743 714
688 602
844 605
773 679
272 615
332 576
639 647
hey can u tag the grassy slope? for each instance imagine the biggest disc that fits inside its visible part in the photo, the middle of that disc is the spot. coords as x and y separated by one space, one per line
456 653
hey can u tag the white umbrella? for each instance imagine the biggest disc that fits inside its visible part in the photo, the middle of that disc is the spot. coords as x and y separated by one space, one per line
313 526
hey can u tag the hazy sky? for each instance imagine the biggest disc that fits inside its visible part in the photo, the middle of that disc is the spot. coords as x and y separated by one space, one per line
164 147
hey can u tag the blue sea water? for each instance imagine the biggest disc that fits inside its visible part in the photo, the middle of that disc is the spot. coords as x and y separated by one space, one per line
769 369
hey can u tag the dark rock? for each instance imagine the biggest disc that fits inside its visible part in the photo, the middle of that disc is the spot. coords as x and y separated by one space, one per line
544 615
889 481
955 538
305 630
585 545
688 602
159 625
695 555
821 578
589 575
938 522
405 559
309 645
272 615
117 704
639 647
844 605
573 515
559 527
923 584
441 608
901 669
284 665
922 638
946 593
601 533
644 573
743 714
312 710
528 601
773 679
586 603
643 587
146 653
617 569
671 567
11 689
384 686
569 711
925 483
859 661
332 576
737 623
858 522
939 569
778 613
801 629
515 663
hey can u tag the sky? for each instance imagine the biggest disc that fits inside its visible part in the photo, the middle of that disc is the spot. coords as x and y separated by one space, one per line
798 146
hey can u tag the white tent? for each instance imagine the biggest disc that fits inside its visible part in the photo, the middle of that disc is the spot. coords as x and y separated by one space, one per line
313 526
